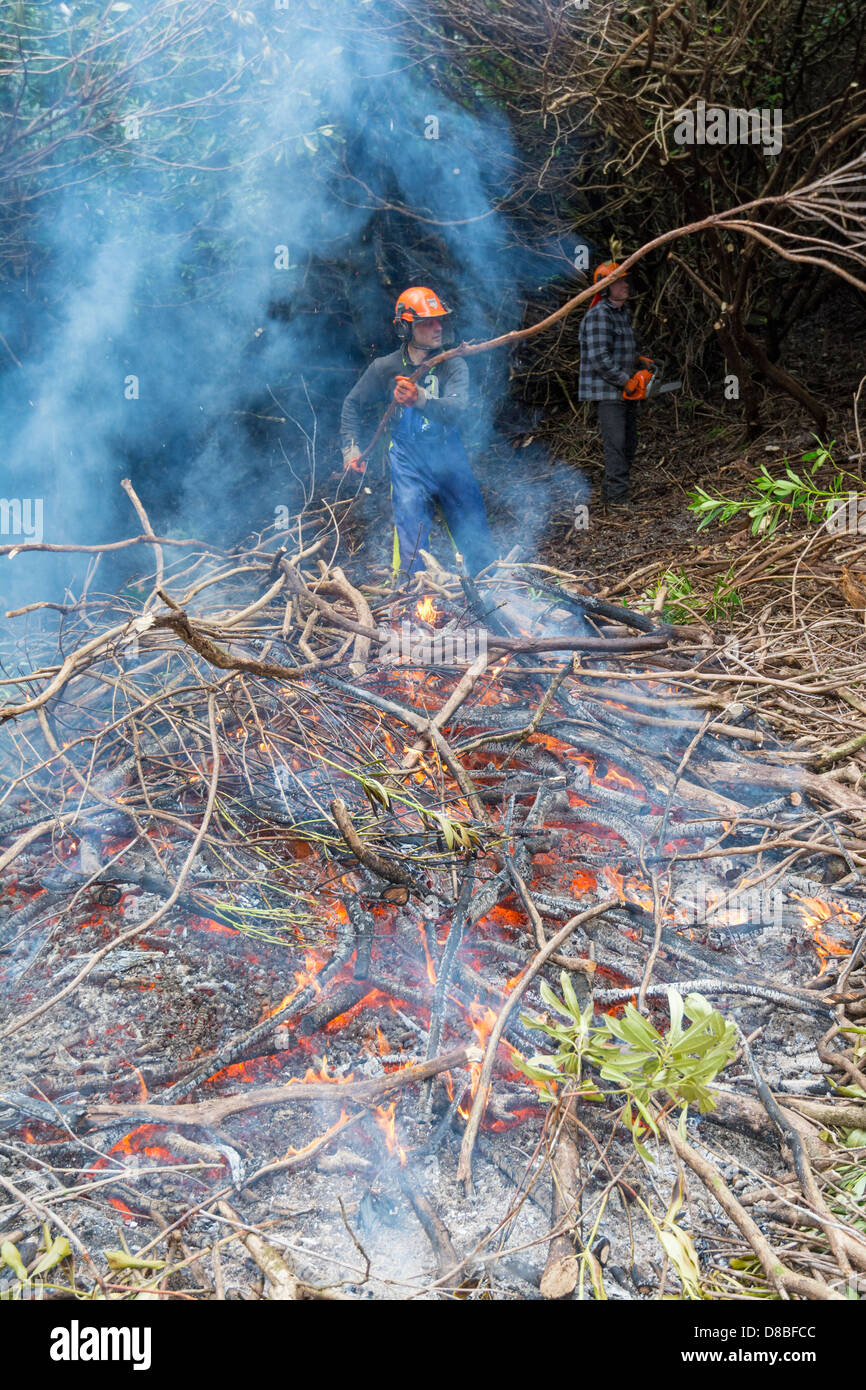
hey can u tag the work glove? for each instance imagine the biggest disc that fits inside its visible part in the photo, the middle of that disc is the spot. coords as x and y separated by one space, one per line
635 387
352 461
408 392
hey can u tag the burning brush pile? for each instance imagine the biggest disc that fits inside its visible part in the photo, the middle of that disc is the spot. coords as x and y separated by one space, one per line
346 934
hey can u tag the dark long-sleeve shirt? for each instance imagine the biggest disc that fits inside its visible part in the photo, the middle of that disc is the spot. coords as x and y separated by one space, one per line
608 352
447 388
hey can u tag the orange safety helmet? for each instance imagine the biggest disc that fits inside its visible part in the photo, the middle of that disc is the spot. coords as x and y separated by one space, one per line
418 302
602 273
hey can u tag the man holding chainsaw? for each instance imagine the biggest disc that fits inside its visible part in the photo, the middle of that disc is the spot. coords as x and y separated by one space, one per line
615 377
429 466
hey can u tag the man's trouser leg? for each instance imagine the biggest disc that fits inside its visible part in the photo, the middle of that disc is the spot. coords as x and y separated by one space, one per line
462 506
618 421
630 432
412 503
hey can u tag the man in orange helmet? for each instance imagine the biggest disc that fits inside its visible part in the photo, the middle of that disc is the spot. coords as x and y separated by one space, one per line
429 466
609 364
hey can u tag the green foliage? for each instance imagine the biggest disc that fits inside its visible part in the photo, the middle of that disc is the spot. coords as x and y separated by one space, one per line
642 1064
772 500
33 1283
683 604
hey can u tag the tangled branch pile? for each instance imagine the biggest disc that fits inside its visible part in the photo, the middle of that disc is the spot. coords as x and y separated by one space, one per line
404 835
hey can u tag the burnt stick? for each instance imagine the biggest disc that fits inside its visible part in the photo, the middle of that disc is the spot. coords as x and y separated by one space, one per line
388 869
447 1259
798 1003
212 1112
328 1009
443 979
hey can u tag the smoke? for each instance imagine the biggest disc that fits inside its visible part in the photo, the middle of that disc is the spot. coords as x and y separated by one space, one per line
210 282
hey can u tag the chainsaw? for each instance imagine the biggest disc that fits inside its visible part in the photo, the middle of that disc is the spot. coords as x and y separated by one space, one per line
650 382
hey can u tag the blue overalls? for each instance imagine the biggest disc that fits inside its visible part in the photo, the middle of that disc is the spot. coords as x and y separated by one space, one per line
429 468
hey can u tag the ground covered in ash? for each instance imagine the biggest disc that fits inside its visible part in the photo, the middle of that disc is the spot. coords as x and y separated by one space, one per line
343 1220
362 1198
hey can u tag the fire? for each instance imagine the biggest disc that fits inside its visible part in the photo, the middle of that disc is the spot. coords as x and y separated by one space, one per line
815 913
323 1074
142 1085
615 879
385 1121
508 919
640 893
278 1008
122 1208
431 970
140 1141
307 976
517 1117
613 776
482 1020
427 611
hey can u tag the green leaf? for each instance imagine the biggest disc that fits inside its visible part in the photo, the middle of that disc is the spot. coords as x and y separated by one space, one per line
675 1004
10 1256
681 1252
376 792
552 1001
119 1259
569 995
57 1251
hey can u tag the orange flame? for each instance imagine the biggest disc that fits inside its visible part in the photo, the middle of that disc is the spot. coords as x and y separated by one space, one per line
431 970
615 879
815 913
427 610
385 1121
482 1020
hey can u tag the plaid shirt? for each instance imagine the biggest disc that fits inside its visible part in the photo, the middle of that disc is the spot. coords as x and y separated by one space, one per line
608 352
